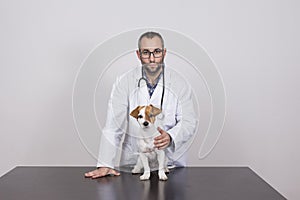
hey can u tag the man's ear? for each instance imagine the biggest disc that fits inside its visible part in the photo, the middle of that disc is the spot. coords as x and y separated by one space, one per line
135 112
155 111
138 54
165 51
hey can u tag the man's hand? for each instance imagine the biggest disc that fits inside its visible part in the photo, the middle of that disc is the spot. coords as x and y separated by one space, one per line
163 140
101 172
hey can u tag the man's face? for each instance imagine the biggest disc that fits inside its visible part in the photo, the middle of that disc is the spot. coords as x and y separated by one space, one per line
149 45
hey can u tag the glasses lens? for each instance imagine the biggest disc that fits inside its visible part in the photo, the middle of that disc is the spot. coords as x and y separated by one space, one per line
145 54
157 53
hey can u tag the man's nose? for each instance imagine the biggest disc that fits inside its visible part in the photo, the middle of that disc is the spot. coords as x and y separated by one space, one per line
152 59
146 123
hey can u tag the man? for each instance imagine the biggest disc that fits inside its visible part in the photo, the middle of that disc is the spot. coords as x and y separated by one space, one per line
161 87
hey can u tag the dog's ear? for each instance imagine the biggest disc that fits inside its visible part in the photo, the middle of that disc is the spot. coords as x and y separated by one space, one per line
155 111
135 112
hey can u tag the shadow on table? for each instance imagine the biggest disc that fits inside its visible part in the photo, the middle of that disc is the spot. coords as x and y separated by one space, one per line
129 186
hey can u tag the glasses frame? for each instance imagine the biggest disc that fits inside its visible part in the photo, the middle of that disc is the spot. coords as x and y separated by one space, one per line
152 52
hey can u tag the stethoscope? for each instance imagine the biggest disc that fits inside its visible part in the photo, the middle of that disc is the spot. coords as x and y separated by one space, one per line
163 89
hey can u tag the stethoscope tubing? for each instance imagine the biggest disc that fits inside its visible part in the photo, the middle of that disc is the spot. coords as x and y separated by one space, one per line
163 90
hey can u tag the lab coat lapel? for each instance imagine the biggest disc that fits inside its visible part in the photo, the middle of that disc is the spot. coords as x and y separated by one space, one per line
156 96
143 95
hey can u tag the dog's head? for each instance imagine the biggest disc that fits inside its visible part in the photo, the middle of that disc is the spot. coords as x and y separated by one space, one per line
145 115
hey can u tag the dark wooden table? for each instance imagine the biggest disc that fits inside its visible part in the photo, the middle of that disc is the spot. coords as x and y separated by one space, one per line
208 183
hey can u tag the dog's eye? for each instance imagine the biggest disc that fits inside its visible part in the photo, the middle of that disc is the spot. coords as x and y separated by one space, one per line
140 116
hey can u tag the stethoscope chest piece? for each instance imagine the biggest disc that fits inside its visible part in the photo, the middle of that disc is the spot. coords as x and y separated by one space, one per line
161 116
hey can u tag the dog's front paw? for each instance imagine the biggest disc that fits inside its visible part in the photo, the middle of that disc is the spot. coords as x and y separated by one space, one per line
162 176
136 170
145 176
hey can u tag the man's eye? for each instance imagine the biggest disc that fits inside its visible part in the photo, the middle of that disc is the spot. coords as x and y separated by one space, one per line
140 116
146 52
157 51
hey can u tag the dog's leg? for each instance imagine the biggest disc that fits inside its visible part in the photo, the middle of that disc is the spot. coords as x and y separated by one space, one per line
161 165
166 164
146 174
138 167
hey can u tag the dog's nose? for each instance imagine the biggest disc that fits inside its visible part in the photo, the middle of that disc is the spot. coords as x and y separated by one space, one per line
146 123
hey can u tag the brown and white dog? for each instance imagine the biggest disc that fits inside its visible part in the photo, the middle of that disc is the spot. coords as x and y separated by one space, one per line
149 154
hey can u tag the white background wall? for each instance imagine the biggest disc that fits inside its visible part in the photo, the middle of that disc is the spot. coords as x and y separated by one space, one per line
255 45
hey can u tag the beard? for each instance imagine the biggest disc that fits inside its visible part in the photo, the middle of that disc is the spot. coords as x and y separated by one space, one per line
152 68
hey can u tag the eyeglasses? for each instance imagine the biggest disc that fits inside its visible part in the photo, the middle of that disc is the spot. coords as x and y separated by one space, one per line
146 54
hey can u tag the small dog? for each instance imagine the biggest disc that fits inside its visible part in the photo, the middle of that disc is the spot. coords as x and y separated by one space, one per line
145 116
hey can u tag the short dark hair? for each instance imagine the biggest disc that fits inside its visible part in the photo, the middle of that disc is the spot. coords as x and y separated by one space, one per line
150 35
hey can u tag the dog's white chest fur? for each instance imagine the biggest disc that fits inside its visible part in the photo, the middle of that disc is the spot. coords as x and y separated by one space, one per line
145 143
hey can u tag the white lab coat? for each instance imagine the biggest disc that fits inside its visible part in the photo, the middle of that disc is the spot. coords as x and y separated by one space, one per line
118 145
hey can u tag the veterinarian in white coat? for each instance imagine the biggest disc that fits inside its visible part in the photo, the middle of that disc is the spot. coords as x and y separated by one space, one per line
177 121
